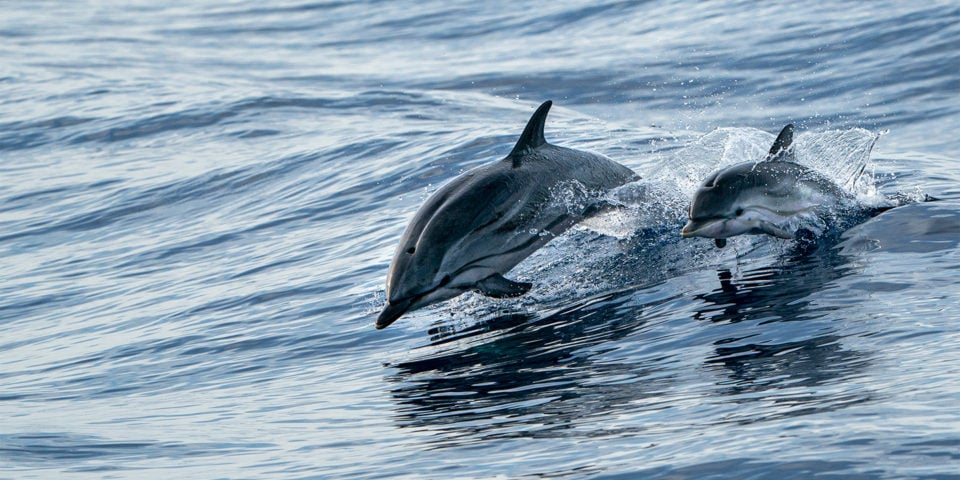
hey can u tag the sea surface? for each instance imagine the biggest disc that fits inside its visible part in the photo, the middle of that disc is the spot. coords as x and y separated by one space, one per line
199 202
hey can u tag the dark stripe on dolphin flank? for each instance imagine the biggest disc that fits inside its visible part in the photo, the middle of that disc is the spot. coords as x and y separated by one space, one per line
533 239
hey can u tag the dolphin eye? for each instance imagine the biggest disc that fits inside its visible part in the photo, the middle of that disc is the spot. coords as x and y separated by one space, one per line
738 212
412 250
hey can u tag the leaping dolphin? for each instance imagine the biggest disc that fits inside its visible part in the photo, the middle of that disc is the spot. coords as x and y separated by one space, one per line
770 197
484 222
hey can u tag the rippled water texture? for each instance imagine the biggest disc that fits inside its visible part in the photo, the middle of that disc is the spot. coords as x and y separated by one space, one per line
199 202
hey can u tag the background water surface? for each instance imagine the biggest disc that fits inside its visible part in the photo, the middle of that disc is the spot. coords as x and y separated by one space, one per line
199 202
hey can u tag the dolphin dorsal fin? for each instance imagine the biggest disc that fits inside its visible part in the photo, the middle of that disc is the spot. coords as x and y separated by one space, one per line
532 136
782 147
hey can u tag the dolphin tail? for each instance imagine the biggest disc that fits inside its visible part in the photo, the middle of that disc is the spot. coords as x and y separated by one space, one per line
532 136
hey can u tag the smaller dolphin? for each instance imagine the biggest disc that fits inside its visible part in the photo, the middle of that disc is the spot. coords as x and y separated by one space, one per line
481 224
772 197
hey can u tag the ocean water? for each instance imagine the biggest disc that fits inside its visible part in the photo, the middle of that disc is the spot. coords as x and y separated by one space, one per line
199 202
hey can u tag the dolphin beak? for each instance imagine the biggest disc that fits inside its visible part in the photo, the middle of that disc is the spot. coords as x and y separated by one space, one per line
392 311
692 227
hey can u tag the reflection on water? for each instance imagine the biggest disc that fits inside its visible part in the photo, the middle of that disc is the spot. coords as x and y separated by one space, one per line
778 292
524 375
792 371
790 374
536 377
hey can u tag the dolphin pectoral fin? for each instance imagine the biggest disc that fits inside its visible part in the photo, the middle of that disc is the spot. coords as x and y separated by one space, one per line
497 286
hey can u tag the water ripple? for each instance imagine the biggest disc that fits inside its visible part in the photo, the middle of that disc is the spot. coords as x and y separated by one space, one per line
199 204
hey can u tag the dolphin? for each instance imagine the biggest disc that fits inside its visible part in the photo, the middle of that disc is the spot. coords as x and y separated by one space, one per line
773 197
484 222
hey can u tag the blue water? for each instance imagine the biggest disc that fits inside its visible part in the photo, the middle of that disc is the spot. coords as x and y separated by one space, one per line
199 202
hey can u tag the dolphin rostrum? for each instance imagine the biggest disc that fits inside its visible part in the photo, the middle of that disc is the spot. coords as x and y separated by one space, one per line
484 222
774 197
